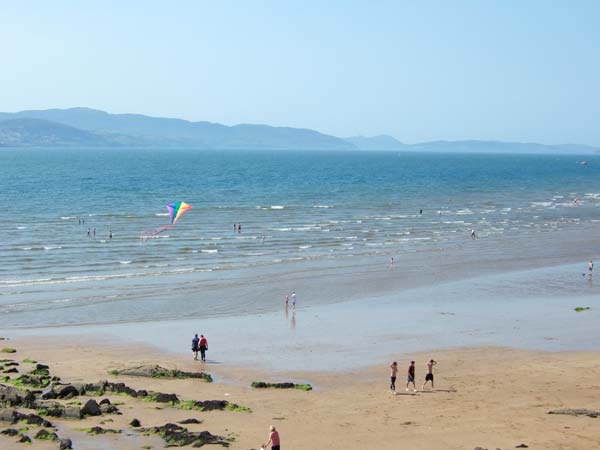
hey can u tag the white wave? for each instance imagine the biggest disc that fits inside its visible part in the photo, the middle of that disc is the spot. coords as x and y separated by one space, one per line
323 206
67 217
125 262
21 228
282 229
53 247
210 251
26 248
277 207
305 246
161 214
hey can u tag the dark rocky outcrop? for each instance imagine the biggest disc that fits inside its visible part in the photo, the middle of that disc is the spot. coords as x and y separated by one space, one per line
287 385
100 430
10 432
189 421
576 412
155 371
175 435
24 439
45 435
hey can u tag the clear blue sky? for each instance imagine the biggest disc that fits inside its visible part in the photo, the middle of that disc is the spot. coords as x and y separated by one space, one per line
509 70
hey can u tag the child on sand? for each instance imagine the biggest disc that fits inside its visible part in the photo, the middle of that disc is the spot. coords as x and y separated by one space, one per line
394 369
411 376
429 374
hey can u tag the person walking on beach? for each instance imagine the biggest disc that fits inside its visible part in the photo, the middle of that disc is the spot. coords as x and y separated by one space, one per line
110 234
590 267
287 301
195 342
94 232
294 299
203 347
88 232
411 376
273 441
429 374
473 235
393 374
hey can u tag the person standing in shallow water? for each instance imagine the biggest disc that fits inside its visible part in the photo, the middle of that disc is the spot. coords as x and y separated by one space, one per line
273 441
203 347
590 267
195 343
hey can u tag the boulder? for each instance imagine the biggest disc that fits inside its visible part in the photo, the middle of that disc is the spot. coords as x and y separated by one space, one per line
8 415
65 444
155 371
72 412
91 408
45 435
107 408
104 401
10 396
33 419
135 423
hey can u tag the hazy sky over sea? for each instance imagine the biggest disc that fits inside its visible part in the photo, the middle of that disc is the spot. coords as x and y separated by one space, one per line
509 70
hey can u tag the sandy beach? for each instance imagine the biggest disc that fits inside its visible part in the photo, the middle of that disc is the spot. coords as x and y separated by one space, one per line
487 397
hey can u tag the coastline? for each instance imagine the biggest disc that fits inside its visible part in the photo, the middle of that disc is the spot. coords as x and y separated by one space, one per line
488 397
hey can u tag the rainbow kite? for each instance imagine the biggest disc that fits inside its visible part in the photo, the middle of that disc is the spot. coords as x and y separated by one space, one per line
176 210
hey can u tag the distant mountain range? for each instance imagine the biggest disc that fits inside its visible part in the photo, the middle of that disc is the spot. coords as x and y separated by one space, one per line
84 127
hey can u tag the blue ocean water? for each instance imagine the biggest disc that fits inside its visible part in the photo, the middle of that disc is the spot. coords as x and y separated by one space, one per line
294 207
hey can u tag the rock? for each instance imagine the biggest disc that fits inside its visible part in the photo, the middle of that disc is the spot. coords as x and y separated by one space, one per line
522 446
8 415
67 391
104 401
10 432
576 412
211 405
10 396
175 435
100 430
479 448
72 412
135 423
24 439
13 370
155 371
161 397
65 444
107 408
45 435
91 408
33 419
188 421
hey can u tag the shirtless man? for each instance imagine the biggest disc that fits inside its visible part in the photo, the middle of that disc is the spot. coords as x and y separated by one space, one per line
429 374
590 267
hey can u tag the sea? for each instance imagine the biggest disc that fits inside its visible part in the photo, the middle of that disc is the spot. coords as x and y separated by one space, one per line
304 216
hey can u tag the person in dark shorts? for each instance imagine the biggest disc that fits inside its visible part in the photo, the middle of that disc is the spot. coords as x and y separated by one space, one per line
429 374
195 343
203 347
394 372
411 376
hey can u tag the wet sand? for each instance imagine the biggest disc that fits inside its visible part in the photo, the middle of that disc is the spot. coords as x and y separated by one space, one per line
488 397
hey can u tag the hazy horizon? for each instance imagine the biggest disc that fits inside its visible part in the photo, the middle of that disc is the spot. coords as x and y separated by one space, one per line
510 72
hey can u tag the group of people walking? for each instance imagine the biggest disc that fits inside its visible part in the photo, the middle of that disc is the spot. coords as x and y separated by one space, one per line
199 344
410 379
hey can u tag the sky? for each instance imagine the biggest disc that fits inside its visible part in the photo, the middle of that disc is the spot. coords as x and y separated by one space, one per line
519 70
